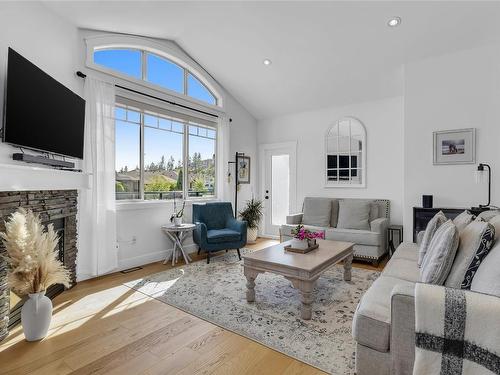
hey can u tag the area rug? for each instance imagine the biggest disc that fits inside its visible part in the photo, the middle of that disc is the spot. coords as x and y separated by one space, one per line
216 292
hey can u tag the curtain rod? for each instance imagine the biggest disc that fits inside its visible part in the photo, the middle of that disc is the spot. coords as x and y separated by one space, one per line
83 75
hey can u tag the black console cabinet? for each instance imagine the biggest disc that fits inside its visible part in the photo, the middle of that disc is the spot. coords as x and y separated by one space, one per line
421 216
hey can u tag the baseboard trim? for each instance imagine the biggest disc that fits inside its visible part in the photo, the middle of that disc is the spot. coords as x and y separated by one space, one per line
150 257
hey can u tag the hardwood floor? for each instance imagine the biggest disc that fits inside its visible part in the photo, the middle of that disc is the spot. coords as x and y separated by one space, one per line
103 327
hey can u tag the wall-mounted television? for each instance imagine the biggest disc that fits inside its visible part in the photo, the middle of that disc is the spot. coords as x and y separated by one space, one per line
40 113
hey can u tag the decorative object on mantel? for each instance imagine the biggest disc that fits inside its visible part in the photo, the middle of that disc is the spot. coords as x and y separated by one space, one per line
176 217
252 214
427 201
454 146
33 268
304 240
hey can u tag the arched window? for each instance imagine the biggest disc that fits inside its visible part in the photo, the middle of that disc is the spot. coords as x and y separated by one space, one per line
346 154
155 69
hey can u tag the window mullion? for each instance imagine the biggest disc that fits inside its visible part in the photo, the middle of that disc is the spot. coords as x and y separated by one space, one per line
141 180
185 178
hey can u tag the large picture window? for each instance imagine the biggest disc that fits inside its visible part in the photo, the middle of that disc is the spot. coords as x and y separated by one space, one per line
161 156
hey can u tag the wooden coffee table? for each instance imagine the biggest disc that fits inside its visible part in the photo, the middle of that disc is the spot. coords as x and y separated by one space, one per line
301 269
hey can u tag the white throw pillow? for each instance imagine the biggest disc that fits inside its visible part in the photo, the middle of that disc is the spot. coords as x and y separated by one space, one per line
462 220
495 221
432 227
354 214
440 254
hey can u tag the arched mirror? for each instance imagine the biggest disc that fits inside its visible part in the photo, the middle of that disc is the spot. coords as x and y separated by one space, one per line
346 154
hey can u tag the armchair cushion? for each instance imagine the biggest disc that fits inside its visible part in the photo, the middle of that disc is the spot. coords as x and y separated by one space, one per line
354 214
222 235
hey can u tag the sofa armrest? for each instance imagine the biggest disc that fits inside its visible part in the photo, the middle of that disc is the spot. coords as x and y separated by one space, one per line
200 233
420 237
379 225
294 219
239 226
402 329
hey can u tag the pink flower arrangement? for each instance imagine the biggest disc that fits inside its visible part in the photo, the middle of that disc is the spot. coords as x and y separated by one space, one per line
301 233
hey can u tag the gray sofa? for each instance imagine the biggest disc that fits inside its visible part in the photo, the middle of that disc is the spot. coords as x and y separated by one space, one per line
322 214
384 321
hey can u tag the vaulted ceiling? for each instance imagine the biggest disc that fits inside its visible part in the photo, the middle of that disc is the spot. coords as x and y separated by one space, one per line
323 53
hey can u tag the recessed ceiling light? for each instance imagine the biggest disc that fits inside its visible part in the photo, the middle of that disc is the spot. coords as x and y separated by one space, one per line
267 62
394 22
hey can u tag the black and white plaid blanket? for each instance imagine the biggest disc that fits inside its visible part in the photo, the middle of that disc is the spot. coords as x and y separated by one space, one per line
457 332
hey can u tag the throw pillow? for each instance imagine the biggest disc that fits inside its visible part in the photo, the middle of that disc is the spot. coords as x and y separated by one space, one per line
475 243
462 220
495 221
354 214
487 278
432 227
317 211
440 254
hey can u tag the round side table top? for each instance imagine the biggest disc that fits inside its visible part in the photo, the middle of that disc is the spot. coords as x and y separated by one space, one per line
178 228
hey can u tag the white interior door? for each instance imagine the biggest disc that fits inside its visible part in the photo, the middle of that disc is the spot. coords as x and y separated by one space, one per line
278 162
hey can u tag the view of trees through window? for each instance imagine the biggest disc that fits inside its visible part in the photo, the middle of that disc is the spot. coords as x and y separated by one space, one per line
163 144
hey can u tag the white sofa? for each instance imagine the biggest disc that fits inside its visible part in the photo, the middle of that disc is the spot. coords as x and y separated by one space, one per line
370 243
384 321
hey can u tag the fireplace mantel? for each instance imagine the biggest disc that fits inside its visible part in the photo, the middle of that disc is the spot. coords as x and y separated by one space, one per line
25 177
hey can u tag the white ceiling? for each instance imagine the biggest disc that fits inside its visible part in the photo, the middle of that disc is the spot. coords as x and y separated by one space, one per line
323 53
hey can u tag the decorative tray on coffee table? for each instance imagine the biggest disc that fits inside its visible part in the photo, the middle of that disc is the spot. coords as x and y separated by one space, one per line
300 251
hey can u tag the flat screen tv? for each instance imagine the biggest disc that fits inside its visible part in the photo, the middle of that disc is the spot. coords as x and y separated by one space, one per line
41 113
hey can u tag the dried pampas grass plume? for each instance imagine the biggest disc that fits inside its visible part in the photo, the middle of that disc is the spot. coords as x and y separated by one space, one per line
31 255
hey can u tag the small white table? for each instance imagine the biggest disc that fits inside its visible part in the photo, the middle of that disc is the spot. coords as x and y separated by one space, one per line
177 233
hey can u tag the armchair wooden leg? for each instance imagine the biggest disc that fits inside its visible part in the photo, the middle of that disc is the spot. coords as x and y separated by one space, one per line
199 249
227 250
239 255
208 257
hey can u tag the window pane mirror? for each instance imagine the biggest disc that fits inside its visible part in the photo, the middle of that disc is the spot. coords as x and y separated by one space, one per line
346 154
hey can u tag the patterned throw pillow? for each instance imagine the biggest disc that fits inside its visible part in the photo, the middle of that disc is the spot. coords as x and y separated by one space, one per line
431 228
440 254
476 241
462 220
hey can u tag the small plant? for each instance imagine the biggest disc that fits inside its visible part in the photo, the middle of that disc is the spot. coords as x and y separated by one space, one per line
252 213
31 255
300 233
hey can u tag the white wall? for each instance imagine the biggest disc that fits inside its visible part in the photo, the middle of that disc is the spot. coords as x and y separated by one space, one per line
454 91
43 38
383 120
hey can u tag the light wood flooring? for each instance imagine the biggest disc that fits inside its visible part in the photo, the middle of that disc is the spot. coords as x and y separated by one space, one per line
103 327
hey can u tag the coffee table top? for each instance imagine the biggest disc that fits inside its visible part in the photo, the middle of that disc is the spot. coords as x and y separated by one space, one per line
327 252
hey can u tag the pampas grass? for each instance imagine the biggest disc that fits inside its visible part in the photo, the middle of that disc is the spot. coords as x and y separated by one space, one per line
31 255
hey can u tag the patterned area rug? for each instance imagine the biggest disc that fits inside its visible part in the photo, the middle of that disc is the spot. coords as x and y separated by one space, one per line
216 292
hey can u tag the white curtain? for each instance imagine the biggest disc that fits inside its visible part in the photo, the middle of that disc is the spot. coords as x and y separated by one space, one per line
223 138
97 249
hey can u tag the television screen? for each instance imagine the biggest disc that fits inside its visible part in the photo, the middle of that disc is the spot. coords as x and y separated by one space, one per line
41 113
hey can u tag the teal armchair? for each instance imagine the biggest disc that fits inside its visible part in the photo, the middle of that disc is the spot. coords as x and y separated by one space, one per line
217 229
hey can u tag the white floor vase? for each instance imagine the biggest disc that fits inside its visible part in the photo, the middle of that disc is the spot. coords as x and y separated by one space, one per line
36 315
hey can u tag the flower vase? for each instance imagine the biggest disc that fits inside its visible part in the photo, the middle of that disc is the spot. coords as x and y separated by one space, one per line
299 244
36 315
311 242
177 221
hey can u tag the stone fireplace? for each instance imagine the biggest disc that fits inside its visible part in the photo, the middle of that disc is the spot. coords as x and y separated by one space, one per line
57 207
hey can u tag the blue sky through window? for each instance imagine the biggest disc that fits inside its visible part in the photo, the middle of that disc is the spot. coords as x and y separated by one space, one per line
198 91
122 60
164 73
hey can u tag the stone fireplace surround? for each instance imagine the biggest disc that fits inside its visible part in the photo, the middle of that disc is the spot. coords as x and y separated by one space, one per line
53 206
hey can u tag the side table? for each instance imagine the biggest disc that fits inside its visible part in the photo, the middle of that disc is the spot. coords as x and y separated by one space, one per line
177 233
391 229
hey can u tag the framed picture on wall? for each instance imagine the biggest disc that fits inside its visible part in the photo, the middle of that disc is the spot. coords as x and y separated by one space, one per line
244 169
455 147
